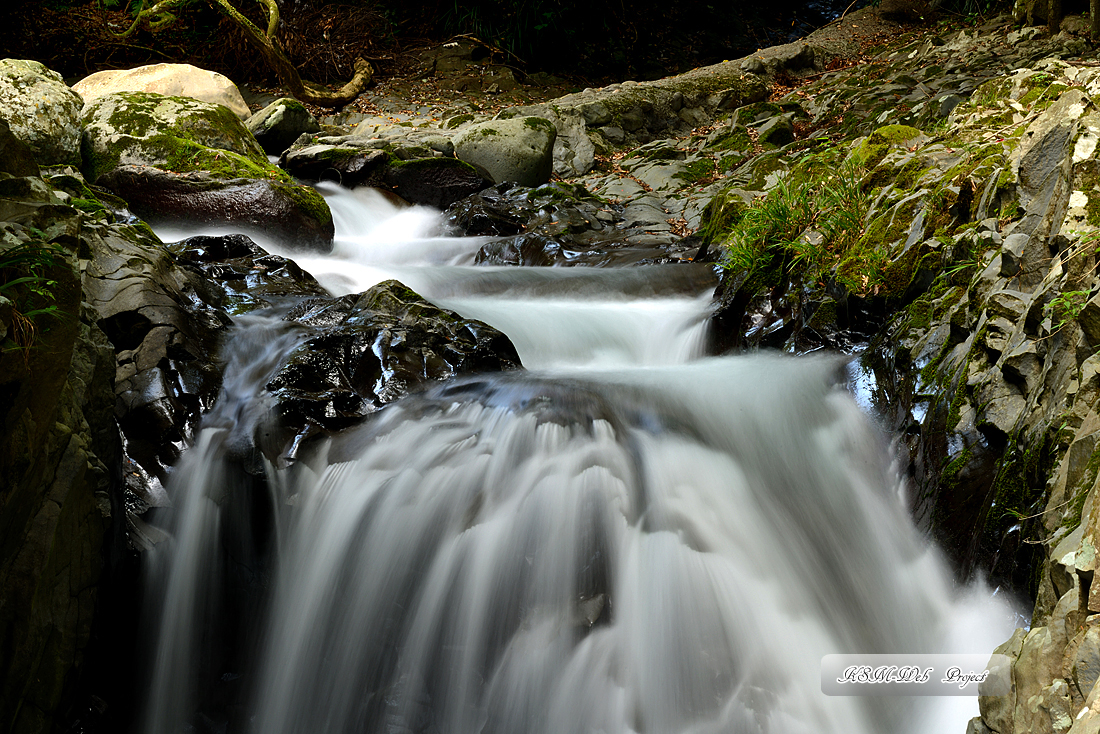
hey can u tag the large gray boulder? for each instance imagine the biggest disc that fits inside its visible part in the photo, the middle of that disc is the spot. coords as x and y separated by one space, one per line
278 125
41 111
173 80
520 150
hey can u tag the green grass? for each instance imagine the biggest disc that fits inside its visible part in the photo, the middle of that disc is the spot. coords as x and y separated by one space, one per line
809 222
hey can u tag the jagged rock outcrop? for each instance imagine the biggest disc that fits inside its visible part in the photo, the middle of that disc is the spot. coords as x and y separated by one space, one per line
368 349
969 266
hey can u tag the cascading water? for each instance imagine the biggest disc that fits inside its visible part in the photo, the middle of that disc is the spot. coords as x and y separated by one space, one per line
627 538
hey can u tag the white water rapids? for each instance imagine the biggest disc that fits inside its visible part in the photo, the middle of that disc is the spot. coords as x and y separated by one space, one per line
627 537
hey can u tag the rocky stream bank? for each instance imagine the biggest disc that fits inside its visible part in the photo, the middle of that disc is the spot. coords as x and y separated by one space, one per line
931 202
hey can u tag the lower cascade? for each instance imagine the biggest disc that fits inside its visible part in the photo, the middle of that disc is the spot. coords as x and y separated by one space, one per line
625 537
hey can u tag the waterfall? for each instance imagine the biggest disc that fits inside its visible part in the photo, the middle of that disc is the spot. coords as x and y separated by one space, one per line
625 537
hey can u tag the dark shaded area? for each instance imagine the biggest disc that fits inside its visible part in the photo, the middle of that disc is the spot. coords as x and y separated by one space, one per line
601 39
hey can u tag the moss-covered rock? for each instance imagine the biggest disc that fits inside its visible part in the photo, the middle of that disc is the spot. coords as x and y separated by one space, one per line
294 214
135 141
279 124
870 152
173 133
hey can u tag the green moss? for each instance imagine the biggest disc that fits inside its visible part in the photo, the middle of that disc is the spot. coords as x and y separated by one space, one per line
696 171
1020 486
457 121
752 112
872 150
428 163
308 200
184 156
920 314
540 124
949 475
824 316
720 215
736 138
89 206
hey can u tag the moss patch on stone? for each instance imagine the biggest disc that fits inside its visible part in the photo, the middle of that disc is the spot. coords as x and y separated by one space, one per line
873 149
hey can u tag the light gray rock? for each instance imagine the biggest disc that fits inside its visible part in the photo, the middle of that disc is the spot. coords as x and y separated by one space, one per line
1089 318
753 65
41 111
173 80
520 149
278 125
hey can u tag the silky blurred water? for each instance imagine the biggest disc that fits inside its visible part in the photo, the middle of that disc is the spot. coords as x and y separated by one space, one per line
625 537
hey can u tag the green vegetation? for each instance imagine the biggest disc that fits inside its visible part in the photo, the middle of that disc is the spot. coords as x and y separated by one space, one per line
26 288
811 223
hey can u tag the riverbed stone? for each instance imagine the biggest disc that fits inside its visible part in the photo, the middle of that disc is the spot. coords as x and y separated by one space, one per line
369 349
293 214
278 125
519 150
135 143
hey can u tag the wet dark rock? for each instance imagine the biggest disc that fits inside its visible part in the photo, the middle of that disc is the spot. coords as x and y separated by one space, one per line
369 349
436 181
250 276
259 205
165 323
347 165
526 249
93 417
564 224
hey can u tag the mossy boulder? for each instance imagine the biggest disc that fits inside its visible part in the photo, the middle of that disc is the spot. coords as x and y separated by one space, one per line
134 142
180 80
41 111
520 150
173 133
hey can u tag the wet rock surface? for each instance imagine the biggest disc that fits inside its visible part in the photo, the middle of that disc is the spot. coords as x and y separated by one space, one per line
285 211
368 349
563 224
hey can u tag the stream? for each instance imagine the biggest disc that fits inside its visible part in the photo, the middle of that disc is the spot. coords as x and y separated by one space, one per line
626 536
